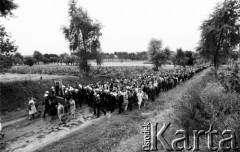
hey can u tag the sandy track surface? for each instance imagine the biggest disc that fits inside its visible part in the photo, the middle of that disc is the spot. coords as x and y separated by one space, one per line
24 135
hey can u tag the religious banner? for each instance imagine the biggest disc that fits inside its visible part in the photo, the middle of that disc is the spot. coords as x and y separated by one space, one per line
57 83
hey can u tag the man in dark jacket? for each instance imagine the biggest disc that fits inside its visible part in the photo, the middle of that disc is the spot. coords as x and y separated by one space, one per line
46 102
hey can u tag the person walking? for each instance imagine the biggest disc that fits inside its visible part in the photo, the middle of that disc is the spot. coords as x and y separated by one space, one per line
46 104
61 117
72 107
32 109
1 133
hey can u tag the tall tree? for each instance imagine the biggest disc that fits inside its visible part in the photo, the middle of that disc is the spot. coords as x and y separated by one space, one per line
17 58
83 34
190 58
180 56
38 56
7 47
6 7
155 52
220 32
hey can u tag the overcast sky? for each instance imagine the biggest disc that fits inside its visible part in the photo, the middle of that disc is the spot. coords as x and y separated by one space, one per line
128 25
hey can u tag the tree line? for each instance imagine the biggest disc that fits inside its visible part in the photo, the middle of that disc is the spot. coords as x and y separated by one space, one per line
135 56
72 59
38 57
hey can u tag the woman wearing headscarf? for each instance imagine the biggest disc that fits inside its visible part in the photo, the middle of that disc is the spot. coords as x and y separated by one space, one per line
72 107
32 108
60 110
1 133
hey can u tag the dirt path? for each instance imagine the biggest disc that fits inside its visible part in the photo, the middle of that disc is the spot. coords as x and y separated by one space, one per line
169 99
24 135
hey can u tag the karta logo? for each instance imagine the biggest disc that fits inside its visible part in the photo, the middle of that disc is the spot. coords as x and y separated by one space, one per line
152 136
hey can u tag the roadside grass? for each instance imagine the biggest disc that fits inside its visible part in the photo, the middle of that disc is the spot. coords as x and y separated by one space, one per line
208 103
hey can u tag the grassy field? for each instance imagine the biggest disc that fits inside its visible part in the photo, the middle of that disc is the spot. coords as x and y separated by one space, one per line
10 77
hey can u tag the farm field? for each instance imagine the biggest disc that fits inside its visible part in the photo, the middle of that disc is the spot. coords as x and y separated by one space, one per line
124 63
107 69
8 77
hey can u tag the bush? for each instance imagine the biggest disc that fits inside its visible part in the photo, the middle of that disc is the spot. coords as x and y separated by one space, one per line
5 63
192 111
231 80
207 103
29 61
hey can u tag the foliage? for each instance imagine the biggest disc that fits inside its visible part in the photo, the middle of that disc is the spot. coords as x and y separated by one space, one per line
183 58
50 58
6 7
234 55
38 56
157 55
190 58
99 58
70 59
17 61
220 32
125 55
207 102
5 63
17 58
29 61
231 81
83 34
46 69
74 71
7 47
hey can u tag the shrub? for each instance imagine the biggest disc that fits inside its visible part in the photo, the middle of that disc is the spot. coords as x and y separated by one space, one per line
29 61
191 110
207 103
231 80
5 63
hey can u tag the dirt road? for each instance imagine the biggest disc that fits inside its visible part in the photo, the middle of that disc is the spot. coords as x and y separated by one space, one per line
25 135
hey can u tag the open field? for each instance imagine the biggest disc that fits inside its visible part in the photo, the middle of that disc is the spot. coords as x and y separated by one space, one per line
8 77
124 63
110 69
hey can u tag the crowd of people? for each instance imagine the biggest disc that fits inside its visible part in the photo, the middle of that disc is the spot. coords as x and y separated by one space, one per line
120 93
